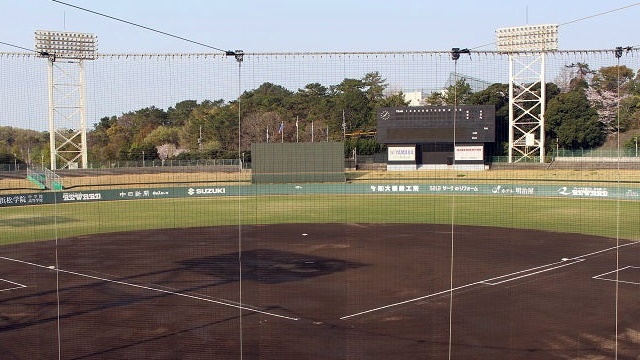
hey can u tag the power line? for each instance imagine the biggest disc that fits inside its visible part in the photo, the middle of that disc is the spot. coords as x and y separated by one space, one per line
227 52
40 53
599 14
16 46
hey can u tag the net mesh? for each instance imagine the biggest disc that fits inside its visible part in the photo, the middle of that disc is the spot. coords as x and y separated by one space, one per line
184 258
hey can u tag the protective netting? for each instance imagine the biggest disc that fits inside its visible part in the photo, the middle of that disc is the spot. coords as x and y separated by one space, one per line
145 255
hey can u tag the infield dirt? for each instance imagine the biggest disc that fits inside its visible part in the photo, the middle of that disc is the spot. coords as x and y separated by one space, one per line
342 291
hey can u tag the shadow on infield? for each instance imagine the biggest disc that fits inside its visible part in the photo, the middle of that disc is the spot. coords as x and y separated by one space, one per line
268 266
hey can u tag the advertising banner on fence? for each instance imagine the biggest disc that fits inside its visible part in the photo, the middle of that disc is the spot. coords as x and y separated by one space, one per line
557 191
25 199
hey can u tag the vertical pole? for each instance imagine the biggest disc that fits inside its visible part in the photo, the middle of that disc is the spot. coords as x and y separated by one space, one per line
83 119
52 126
344 127
511 117
453 200
239 57
311 130
543 95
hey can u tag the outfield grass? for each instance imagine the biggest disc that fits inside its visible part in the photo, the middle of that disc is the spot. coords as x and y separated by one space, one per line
595 217
587 216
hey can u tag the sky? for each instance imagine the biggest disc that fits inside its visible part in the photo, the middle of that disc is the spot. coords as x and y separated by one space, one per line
317 26
273 26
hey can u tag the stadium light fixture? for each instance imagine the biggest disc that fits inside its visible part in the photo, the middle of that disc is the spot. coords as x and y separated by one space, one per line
66 45
538 38
529 44
67 110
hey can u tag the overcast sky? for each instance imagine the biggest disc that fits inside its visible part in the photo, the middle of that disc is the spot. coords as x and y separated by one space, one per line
316 26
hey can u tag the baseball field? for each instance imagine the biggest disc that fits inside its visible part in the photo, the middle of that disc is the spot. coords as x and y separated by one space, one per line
325 276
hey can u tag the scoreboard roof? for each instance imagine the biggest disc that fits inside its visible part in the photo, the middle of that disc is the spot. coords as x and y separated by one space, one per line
428 124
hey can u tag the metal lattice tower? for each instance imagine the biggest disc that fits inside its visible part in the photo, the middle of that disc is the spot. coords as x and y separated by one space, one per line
526 46
66 52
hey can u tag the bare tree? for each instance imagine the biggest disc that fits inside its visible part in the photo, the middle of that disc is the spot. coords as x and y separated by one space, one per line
254 128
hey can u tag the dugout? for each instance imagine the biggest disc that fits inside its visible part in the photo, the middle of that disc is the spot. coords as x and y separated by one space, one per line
436 137
297 162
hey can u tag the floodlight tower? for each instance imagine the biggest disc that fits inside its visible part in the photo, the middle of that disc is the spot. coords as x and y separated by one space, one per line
526 47
66 52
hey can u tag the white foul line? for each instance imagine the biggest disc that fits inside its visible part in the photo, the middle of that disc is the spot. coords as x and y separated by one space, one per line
18 286
407 301
602 276
544 268
570 261
253 309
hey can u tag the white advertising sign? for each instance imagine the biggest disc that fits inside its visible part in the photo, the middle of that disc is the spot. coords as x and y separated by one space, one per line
467 153
401 153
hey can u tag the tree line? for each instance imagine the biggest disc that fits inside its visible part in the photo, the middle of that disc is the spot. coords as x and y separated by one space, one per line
584 107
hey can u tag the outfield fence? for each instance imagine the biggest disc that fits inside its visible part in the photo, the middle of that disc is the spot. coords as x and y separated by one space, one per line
394 188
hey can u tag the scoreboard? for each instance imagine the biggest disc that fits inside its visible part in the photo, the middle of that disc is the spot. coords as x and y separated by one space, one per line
436 124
